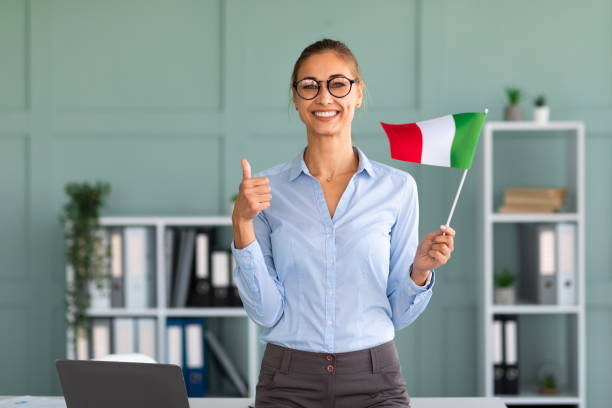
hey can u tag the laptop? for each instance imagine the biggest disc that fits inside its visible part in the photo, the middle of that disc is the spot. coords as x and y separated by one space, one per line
104 384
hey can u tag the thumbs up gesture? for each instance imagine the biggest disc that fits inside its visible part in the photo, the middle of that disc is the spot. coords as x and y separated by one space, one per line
253 195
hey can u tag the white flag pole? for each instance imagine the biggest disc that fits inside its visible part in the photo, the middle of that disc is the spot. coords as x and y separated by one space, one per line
458 192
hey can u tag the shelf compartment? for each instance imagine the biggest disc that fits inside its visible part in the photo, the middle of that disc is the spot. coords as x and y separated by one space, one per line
542 340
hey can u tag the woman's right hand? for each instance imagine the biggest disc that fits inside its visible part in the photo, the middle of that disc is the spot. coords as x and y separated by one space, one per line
253 195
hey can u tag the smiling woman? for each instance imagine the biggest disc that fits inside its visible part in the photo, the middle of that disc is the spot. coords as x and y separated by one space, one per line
330 266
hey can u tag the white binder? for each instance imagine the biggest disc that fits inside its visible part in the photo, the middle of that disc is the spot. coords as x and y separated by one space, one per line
566 263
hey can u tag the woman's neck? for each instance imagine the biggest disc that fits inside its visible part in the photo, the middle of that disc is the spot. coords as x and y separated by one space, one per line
329 157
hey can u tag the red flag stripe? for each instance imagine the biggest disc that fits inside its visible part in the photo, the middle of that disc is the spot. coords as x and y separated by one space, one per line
406 141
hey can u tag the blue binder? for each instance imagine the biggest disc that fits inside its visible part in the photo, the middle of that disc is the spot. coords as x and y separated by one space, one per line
194 364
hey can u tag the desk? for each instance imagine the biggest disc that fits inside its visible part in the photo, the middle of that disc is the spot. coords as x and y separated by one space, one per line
478 402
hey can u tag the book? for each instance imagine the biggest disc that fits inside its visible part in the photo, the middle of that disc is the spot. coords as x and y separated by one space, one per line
526 208
534 192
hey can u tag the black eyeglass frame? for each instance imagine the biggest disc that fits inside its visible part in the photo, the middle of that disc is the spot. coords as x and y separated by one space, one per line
351 82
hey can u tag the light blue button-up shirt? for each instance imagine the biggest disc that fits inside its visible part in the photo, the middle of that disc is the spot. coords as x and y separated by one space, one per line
324 284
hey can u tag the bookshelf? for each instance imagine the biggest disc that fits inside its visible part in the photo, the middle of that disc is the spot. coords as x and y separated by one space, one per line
536 155
161 312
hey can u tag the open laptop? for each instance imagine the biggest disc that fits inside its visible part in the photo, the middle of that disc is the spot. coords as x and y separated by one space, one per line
104 384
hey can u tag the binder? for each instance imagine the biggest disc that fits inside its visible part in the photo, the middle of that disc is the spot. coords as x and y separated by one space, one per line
538 275
116 239
236 301
124 336
174 341
511 385
170 248
194 369
230 369
499 369
101 338
139 267
100 296
183 271
221 278
200 290
146 337
82 344
566 264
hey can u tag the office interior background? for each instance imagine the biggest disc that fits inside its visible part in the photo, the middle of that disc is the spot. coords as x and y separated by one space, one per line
163 98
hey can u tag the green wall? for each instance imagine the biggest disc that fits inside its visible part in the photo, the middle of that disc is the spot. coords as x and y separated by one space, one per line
163 98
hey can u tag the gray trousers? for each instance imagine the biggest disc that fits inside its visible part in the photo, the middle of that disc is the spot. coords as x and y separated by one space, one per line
357 379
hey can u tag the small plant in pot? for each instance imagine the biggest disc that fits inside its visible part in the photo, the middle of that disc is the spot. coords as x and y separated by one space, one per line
513 110
504 288
541 111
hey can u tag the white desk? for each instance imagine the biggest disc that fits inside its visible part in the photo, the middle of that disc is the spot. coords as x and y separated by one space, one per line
478 402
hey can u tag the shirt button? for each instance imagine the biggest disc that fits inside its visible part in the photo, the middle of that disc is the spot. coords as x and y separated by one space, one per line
331 260
329 322
331 292
329 231
329 357
330 368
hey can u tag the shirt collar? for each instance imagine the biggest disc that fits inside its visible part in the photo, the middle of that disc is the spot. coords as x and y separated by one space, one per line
298 165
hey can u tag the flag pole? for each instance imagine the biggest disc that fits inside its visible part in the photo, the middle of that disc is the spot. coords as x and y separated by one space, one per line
458 192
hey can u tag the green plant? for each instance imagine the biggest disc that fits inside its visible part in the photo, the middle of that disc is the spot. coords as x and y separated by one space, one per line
548 382
540 100
234 197
85 253
514 95
504 279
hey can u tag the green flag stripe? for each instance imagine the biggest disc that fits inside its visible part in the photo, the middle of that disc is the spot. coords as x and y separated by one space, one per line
467 132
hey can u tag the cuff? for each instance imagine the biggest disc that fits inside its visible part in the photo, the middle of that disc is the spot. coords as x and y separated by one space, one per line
428 283
245 257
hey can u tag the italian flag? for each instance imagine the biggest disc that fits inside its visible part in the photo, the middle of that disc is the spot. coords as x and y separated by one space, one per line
448 141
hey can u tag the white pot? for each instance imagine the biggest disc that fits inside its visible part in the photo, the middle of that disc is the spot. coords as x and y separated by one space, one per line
504 296
541 114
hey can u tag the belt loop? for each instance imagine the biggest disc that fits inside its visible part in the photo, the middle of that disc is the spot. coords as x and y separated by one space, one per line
375 367
285 361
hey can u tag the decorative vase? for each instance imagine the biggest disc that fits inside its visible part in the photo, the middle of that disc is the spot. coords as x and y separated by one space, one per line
504 296
513 112
541 114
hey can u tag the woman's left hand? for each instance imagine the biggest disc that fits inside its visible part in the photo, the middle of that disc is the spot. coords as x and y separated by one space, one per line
435 250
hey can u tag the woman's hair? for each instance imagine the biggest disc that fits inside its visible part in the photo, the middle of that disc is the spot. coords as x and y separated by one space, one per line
325 45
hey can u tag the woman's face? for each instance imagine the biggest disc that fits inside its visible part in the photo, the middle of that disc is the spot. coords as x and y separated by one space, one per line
322 67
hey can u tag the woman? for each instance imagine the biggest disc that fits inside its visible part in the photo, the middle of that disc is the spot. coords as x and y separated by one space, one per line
330 267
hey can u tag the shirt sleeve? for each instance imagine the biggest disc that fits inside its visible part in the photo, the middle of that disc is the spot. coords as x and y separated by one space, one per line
407 299
261 291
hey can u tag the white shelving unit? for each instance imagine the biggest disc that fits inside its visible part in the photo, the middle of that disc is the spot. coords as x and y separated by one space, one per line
573 316
161 313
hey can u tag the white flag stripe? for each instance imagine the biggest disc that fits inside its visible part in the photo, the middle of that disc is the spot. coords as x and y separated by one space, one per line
438 135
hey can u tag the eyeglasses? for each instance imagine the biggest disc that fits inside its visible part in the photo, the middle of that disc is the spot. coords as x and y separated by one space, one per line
338 87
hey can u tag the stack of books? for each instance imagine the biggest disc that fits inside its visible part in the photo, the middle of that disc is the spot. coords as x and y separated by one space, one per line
533 200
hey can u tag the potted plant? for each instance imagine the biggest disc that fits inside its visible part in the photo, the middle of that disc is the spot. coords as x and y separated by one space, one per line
504 288
85 253
547 376
234 198
513 110
541 111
